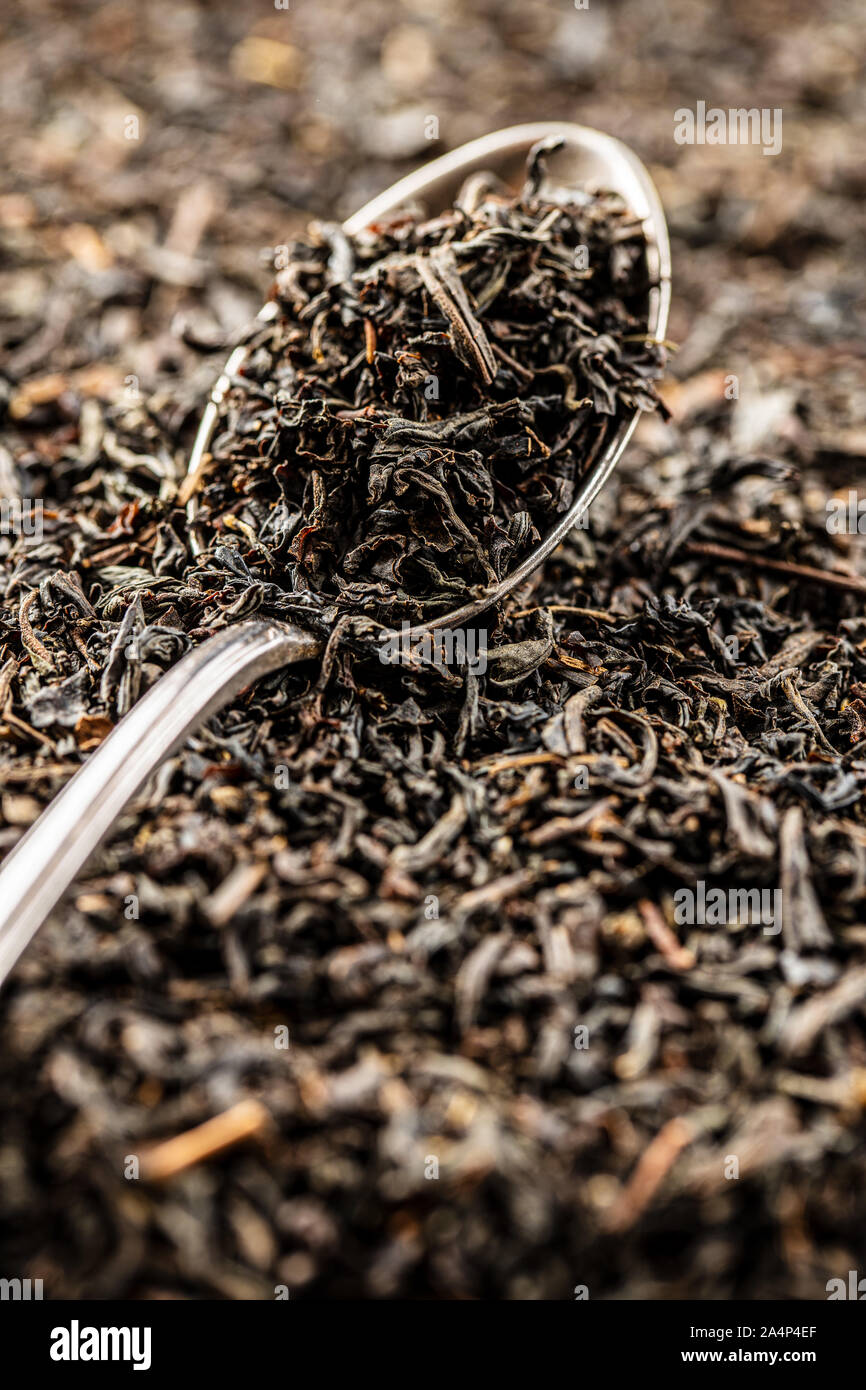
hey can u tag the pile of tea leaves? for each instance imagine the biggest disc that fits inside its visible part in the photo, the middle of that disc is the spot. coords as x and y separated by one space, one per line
428 396
411 930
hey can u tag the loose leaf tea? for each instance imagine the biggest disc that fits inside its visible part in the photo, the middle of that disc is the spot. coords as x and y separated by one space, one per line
430 393
386 987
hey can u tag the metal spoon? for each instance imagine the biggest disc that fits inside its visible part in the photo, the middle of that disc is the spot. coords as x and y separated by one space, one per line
47 859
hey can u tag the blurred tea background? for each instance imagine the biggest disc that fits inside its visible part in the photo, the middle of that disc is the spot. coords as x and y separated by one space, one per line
155 150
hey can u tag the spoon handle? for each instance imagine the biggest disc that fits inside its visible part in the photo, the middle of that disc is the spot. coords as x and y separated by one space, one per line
40 868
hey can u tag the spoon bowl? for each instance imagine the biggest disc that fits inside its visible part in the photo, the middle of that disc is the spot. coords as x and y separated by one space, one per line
587 160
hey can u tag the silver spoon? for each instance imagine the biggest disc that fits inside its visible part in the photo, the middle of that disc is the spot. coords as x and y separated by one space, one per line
47 859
